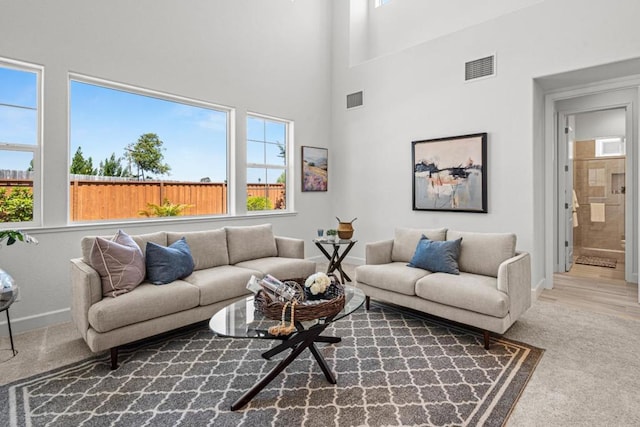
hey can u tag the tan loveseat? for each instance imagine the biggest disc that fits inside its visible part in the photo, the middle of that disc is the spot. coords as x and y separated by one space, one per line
224 261
491 292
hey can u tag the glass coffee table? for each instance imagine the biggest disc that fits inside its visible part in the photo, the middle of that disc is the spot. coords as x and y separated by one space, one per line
241 320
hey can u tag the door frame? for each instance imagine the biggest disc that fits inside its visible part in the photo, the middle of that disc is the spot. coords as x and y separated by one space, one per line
608 90
564 157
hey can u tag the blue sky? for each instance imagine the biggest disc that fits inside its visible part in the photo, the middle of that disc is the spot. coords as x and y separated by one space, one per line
104 121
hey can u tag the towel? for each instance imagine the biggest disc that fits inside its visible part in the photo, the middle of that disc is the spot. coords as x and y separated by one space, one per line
597 212
574 208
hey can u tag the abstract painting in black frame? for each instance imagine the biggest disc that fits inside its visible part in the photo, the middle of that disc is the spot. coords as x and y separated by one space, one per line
450 174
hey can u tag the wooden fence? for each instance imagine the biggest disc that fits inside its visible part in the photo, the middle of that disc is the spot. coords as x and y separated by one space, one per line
96 200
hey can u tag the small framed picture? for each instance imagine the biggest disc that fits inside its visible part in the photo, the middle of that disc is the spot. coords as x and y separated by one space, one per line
450 174
315 172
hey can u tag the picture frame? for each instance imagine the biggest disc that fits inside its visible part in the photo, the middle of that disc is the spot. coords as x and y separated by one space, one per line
450 174
315 168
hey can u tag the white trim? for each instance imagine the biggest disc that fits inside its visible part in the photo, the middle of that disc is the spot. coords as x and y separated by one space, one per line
164 96
36 321
550 160
139 90
289 158
37 148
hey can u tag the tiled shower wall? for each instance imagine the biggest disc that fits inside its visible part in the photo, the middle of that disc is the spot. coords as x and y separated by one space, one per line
598 180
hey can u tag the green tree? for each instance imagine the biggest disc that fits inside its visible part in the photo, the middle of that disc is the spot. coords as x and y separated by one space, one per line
112 166
82 166
16 205
165 209
147 155
258 203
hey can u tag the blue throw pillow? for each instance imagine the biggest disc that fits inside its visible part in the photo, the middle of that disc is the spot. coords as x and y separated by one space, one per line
437 256
168 263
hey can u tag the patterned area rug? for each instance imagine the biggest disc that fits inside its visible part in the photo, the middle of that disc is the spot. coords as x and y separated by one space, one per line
392 367
597 261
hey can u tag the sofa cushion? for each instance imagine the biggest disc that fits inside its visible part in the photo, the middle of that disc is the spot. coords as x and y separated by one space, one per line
482 253
145 302
406 240
395 277
281 268
208 248
471 292
141 239
250 242
119 262
166 264
221 283
437 256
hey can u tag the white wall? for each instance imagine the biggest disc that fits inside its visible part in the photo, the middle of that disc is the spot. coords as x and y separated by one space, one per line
376 32
266 57
598 124
419 93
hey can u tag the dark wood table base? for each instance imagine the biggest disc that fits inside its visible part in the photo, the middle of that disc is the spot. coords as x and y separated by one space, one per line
298 342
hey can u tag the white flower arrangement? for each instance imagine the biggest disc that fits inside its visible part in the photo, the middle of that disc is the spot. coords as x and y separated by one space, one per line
317 283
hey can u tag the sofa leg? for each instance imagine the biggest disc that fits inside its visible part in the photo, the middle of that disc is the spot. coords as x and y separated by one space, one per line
487 341
367 302
114 358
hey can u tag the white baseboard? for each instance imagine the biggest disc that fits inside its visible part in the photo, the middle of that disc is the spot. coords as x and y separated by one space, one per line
537 289
27 323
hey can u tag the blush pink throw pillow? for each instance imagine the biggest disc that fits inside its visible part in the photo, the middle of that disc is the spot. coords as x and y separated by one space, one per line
119 262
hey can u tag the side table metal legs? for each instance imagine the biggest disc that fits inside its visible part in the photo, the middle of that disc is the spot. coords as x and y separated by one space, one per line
13 349
335 258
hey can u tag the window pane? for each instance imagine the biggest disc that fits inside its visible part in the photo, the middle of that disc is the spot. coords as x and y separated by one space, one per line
255 152
255 129
16 186
134 155
18 88
18 107
266 147
18 125
275 132
275 154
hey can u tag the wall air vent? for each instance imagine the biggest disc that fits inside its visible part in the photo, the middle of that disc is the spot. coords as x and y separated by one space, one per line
354 100
480 68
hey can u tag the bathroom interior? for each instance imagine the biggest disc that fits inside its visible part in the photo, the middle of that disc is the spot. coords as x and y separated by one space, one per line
599 159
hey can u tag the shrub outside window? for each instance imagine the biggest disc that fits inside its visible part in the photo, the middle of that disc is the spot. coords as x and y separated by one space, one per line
267 150
137 153
20 124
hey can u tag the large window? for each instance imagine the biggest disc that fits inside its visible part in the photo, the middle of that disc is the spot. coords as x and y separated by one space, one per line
19 141
137 154
267 149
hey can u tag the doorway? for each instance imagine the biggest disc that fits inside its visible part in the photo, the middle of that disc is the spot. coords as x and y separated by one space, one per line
595 149
597 167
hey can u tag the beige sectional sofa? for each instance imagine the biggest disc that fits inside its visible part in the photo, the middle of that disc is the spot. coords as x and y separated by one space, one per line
491 292
224 261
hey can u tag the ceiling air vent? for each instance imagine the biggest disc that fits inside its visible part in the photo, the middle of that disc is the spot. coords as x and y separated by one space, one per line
354 100
480 68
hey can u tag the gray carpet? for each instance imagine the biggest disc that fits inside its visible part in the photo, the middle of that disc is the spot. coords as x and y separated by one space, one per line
392 369
589 373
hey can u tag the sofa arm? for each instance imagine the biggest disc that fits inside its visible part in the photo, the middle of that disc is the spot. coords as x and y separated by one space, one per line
378 252
514 279
289 247
86 290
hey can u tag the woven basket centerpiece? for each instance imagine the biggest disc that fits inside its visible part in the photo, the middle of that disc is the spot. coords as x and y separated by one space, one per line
305 309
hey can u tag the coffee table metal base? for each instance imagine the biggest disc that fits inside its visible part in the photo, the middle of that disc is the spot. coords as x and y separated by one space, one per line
303 339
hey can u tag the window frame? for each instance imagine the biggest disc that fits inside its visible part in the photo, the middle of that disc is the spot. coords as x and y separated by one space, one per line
289 161
165 96
36 149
